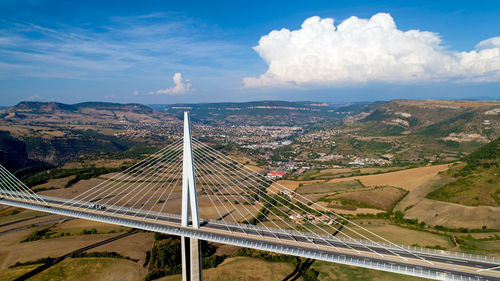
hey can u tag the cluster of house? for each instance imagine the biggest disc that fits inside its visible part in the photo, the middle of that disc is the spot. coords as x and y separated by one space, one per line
323 157
359 161
355 160
298 218
133 133
286 167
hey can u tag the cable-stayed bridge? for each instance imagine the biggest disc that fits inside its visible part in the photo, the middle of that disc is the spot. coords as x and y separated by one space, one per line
194 191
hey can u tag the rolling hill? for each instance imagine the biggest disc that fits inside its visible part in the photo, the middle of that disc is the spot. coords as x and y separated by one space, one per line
82 113
477 181
454 120
53 133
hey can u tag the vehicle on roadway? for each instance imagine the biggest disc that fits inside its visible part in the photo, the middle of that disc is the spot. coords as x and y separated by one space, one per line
96 207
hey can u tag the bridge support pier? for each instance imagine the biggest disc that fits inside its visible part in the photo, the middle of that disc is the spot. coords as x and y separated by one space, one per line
190 247
191 259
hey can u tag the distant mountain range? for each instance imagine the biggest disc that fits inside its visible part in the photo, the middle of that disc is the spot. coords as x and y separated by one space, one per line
263 112
246 113
81 113
54 106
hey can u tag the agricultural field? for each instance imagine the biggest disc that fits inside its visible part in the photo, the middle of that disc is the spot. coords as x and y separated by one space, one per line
343 172
397 234
83 269
407 179
329 188
337 272
454 215
385 198
244 268
13 273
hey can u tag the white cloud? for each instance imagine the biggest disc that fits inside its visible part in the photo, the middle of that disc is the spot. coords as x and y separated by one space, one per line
35 97
368 50
489 43
180 86
134 46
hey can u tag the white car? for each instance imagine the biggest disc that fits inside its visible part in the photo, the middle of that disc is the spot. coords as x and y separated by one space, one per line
97 207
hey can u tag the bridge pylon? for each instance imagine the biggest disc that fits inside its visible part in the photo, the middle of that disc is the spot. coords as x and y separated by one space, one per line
190 247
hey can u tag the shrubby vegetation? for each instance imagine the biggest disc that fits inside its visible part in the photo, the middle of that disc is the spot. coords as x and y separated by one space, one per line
486 156
451 125
476 183
38 261
36 235
80 174
165 256
370 146
100 255
136 152
89 231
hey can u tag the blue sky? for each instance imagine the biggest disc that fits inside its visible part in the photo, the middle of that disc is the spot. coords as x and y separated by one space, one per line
202 51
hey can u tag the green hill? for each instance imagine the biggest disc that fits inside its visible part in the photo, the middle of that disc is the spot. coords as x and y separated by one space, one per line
477 181
426 130
437 119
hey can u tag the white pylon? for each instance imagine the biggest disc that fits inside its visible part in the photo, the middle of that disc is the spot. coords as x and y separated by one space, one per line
188 181
190 247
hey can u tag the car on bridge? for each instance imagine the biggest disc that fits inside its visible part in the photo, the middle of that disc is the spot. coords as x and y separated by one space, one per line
96 207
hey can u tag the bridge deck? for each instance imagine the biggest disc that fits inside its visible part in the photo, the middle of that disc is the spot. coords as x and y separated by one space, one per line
439 267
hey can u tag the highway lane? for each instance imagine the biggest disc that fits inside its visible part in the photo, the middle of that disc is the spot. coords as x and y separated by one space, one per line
298 241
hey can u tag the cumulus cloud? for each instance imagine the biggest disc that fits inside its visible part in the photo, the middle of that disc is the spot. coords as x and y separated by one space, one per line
489 43
368 50
180 86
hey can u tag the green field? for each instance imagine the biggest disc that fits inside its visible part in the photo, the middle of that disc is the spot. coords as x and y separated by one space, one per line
85 269
337 272
13 273
329 187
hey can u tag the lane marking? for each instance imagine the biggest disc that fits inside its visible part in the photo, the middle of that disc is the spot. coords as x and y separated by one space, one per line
484 269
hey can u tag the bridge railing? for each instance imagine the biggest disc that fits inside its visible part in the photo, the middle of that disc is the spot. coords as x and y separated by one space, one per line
398 247
361 242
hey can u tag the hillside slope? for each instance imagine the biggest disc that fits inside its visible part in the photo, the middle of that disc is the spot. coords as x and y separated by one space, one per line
421 131
459 121
477 182
53 133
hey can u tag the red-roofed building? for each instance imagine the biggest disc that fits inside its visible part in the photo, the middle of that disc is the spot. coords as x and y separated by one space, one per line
274 175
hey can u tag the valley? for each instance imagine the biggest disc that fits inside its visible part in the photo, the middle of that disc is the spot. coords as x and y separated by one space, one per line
420 173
